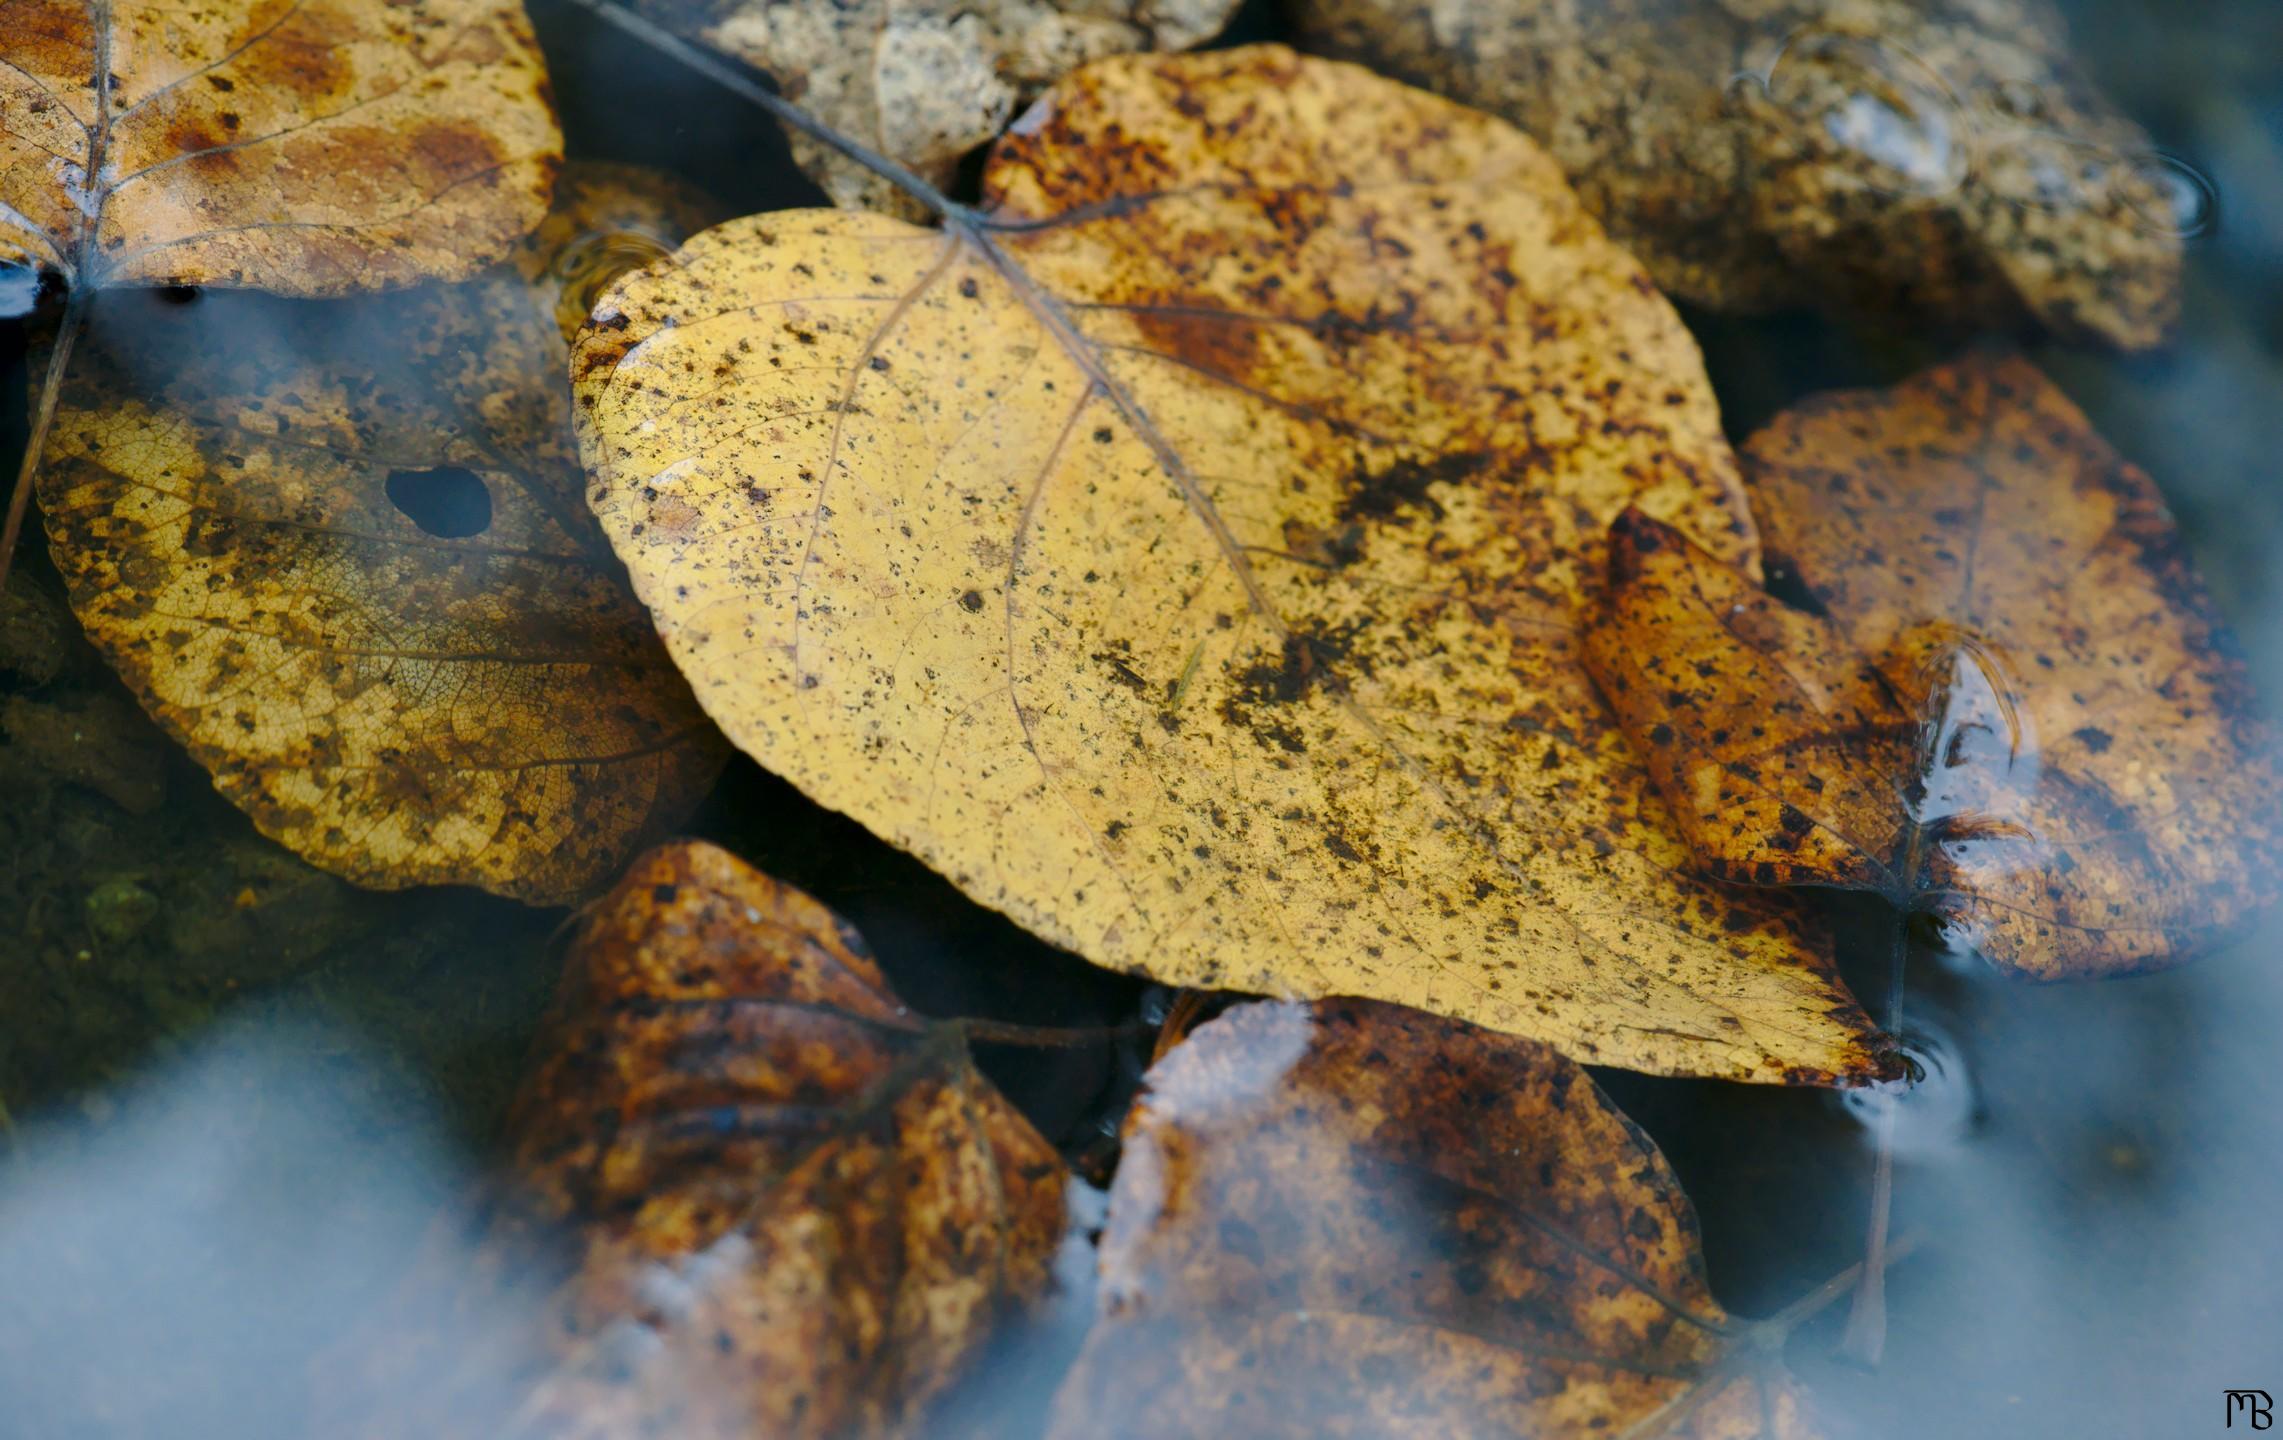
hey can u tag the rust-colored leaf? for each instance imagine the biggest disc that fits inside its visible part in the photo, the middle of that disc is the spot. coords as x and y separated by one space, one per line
1186 558
1754 154
1355 1220
309 147
2003 696
337 549
924 83
751 1195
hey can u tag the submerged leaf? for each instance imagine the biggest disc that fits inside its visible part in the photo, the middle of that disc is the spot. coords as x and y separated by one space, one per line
1947 156
2002 696
924 82
312 147
1186 561
337 550
1355 1220
751 1196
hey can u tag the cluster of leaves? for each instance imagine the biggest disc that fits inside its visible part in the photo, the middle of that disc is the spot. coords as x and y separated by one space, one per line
1996 692
1186 554
751 1194
1277 542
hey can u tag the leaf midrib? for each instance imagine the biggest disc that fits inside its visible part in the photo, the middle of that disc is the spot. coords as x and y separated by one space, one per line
1048 310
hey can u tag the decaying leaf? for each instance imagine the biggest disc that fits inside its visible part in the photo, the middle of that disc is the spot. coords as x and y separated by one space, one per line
752 1195
1186 561
310 147
1355 1220
2002 697
924 82
1942 155
337 549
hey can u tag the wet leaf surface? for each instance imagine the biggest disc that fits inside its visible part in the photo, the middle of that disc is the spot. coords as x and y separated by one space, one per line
1186 562
751 1194
1946 156
337 550
137 926
1351 1219
311 147
2002 695
923 84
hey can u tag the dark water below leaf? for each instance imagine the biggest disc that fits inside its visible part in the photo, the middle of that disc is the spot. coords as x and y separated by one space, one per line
237 1088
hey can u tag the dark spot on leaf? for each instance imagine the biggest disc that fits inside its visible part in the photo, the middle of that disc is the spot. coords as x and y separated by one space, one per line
1405 486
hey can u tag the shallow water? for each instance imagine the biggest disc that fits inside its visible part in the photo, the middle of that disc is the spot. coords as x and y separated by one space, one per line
238 1088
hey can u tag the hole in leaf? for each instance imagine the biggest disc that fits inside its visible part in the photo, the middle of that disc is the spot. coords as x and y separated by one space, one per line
448 502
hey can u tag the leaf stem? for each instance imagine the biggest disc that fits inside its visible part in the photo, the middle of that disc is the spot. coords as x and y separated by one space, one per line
1000 1032
1865 1340
43 416
736 80
1854 1277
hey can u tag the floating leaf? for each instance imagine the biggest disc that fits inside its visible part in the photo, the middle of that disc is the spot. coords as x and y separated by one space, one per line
1351 1219
311 148
1185 558
924 84
1949 157
751 1196
2003 696
337 550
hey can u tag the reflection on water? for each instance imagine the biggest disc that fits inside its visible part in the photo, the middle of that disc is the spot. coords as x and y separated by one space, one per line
1878 100
585 267
19 291
2192 203
1928 1114
2102 1254
173 1249
1977 746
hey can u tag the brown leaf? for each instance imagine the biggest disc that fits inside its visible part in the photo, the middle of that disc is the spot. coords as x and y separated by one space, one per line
924 83
1943 156
1355 1220
338 550
2003 696
309 147
752 1195
1186 561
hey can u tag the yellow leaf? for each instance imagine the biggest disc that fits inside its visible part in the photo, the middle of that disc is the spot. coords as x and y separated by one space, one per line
923 84
1349 1219
2003 698
1186 559
337 550
1870 153
305 146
